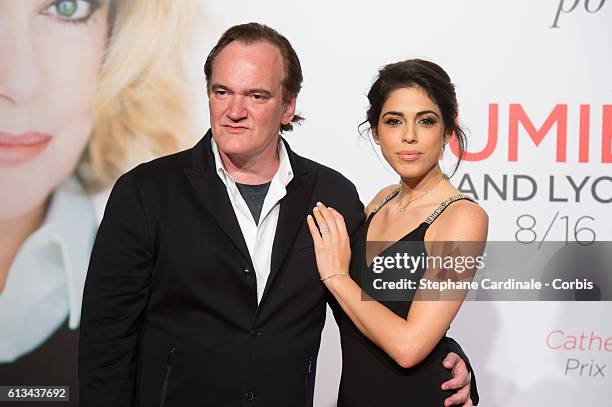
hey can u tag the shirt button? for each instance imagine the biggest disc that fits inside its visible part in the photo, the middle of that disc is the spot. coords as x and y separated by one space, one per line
255 334
247 273
249 395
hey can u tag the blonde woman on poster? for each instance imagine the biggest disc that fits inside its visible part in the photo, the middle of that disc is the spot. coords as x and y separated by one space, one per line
88 88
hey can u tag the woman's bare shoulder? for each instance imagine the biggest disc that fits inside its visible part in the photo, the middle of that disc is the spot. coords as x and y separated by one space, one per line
463 220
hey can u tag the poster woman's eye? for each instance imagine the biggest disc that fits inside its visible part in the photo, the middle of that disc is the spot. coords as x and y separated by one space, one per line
72 10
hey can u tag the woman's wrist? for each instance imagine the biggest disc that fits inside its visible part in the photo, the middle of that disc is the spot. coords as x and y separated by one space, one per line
336 280
334 275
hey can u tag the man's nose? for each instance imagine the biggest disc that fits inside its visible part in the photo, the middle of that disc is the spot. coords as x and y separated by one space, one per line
237 108
19 71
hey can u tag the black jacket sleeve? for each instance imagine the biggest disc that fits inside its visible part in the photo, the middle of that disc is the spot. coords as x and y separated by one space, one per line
352 211
453 346
115 295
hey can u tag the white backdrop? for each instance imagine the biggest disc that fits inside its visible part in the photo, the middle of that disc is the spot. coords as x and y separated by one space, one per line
502 55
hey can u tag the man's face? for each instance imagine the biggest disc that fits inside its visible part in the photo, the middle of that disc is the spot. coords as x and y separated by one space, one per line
246 99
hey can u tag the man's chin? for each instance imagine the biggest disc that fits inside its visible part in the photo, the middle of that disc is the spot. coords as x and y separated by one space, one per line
231 146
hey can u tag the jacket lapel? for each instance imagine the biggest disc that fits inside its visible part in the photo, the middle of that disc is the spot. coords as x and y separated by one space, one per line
292 216
213 194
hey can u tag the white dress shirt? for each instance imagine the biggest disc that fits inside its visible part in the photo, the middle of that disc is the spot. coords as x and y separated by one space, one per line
46 279
258 237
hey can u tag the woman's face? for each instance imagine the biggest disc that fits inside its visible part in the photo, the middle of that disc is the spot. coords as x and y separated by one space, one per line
50 53
410 132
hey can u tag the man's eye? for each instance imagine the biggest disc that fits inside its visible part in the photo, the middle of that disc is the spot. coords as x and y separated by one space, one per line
257 96
220 92
73 10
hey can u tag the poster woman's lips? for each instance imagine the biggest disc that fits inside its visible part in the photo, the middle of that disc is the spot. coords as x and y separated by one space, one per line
19 148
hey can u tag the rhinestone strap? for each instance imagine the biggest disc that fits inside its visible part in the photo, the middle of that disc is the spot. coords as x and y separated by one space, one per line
384 201
443 206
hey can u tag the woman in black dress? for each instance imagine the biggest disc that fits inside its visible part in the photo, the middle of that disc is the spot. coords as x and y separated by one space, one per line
392 348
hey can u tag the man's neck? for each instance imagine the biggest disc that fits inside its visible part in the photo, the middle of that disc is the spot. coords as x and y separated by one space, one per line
254 169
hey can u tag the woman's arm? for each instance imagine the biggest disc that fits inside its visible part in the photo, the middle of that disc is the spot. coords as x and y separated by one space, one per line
407 341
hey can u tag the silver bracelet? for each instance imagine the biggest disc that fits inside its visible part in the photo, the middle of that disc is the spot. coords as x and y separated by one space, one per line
334 275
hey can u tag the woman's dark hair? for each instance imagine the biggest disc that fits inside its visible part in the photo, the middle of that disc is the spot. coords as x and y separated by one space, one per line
425 75
250 33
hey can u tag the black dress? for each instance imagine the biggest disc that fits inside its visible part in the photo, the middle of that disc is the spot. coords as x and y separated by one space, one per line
371 378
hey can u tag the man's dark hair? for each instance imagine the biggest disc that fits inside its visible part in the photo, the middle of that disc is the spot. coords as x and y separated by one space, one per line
254 32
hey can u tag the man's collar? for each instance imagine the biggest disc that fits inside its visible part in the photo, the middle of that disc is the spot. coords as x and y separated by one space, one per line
204 160
284 171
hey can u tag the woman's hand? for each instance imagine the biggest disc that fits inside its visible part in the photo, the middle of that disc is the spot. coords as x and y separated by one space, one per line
331 241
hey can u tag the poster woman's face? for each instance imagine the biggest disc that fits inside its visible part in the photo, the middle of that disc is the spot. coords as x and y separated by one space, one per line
50 54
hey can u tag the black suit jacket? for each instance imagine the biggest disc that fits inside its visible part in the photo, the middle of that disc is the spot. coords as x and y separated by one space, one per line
170 314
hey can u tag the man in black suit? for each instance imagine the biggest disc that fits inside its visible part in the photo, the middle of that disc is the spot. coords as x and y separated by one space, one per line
202 287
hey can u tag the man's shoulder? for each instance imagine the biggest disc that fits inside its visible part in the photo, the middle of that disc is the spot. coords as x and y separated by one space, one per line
155 176
335 190
326 174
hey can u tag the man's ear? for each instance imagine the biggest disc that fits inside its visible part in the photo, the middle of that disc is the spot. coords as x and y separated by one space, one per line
289 111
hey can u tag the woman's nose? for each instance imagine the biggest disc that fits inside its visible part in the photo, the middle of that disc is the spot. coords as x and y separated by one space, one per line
19 70
409 135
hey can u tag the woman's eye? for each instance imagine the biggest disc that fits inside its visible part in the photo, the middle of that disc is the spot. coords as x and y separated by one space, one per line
393 122
72 10
427 121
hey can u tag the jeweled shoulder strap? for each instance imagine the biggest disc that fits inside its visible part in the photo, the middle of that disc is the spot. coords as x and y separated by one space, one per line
445 204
